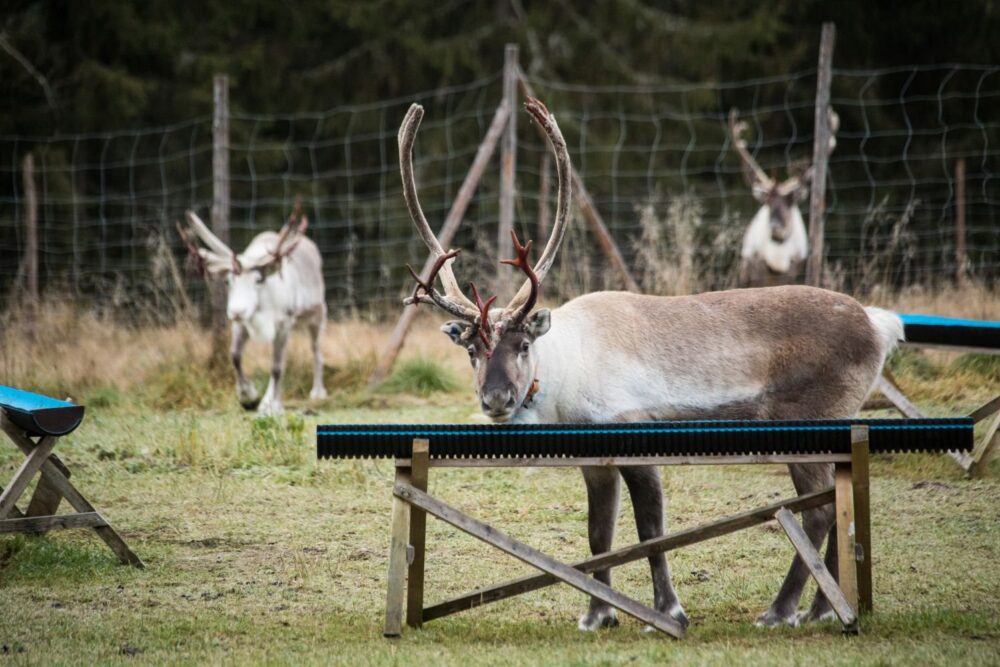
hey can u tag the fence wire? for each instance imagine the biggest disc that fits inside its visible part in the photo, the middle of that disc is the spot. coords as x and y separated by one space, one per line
657 160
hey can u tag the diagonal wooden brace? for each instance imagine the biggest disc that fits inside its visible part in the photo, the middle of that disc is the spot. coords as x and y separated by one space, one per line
812 559
35 456
537 559
676 540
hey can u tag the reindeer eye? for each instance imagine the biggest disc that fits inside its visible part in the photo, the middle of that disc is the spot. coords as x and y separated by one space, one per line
525 346
472 351
259 277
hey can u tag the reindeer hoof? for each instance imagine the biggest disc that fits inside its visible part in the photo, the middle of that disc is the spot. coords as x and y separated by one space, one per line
249 404
596 619
815 616
269 409
773 619
317 394
677 613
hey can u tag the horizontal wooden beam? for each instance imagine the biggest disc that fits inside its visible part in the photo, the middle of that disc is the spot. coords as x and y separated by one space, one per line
41 524
537 559
682 538
618 461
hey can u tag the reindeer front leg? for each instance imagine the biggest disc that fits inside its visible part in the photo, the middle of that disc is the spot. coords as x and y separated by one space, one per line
317 324
603 496
646 490
271 403
246 393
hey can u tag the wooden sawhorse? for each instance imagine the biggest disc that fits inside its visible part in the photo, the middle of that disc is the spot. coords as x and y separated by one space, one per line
411 504
54 485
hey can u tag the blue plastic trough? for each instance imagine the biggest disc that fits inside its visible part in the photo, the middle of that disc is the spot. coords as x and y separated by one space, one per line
38 414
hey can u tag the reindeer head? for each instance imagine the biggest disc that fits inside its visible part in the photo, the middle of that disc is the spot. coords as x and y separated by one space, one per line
499 341
779 198
247 273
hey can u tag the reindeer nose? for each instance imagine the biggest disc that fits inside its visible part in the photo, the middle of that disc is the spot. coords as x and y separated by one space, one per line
501 400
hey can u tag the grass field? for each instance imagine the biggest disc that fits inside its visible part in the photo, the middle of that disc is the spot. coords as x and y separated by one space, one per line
257 553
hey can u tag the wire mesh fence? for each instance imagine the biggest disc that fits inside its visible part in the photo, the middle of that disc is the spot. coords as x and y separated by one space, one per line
657 160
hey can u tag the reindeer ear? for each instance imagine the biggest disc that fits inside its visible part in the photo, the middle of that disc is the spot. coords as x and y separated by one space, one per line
538 322
454 330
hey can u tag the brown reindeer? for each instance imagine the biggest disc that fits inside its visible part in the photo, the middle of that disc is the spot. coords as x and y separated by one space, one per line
778 353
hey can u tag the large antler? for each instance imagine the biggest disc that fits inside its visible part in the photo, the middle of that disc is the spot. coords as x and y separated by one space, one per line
795 182
217 257
756 178
453 300
292 232
522 303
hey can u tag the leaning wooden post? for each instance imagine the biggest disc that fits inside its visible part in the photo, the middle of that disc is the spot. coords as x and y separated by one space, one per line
30 243
483 156
419 462
589 212
508 164
821 142
961 261
862 517
220 211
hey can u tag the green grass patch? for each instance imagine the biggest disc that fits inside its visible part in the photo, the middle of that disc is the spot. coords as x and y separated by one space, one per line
910 362
986 366
421 377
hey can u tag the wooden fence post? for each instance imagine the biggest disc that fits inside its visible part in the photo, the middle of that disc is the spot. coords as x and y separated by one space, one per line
821 141
30 243
220 212
462 199
508 165
961 260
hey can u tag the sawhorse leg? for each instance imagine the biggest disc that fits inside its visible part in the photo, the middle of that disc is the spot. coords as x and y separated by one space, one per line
406 548
55 477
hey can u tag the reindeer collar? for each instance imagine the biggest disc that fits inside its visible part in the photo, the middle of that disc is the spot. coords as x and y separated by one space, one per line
532 391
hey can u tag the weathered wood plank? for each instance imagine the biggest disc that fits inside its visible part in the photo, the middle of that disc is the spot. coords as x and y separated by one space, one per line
540 560
981 454
45 500
844 502
398 543
984 411
35 456
812 559
41 524
418 537
577 461
628 554
862 516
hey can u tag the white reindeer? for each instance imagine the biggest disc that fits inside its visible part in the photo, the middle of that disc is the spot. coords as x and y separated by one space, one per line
274 283
775 245
775 353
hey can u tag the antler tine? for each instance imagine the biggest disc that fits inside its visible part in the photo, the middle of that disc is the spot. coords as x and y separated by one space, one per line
213 242
205 260
407 134
440 300
516 316
483 321
564 196
752 172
